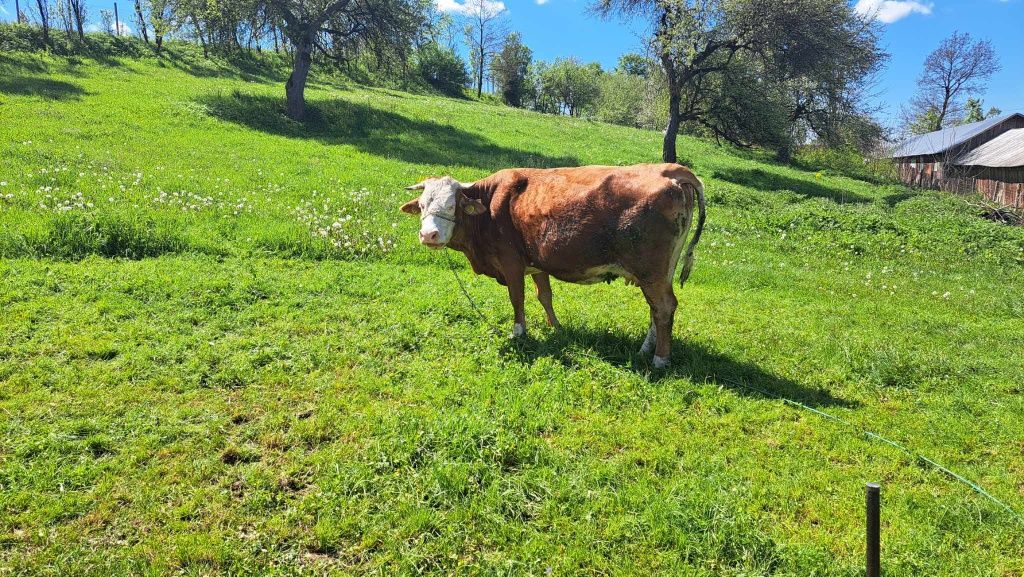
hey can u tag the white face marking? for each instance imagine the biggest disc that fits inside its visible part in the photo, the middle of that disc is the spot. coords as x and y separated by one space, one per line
438 204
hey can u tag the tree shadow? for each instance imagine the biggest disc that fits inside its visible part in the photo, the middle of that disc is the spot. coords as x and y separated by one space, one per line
238 66
375 131
690 360
41 87
770 181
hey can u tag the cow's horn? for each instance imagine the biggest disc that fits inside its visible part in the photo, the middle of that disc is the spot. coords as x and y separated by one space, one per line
467 184
419 186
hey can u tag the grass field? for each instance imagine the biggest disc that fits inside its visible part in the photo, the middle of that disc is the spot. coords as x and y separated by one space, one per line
222 352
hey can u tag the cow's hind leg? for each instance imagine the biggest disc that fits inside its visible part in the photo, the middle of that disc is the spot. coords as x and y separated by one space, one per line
543 282
662 301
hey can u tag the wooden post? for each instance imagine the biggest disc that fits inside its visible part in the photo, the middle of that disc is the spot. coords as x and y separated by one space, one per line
874 565
17 11
117 22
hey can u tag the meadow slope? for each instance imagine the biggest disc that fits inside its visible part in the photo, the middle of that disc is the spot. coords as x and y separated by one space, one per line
222 352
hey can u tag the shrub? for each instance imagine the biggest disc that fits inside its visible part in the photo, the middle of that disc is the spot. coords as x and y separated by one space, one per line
443 69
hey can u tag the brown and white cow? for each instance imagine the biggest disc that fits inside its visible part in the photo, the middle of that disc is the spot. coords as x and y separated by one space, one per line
579 225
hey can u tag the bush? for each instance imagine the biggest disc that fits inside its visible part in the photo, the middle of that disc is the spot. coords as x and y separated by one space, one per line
443 69
846 162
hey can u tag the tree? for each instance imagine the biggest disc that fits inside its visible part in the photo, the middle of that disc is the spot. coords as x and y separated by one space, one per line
442 68
785 47
634 65
335 27
43 12
140 21
973 111
572 87
79 15
107 21
958 67
509 67
161 18
485 29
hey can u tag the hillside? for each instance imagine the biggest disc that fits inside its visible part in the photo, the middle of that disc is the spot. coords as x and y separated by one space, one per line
222 351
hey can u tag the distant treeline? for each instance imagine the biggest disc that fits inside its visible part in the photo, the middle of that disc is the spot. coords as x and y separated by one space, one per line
751 72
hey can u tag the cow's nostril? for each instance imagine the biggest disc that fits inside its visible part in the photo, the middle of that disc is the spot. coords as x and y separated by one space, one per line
429 237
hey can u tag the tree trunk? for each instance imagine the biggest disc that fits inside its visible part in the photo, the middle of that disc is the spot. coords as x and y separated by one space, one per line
668 147
199 33
142 21
295 88
480 75
77 7
17 11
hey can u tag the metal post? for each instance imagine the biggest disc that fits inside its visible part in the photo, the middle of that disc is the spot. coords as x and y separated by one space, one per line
874 564
117 22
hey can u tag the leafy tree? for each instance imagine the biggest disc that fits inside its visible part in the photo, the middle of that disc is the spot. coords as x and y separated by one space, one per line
337 28
161 19
634 65
794 48
959 66
973 111
509 68
620 93
442 68
572 87
923 123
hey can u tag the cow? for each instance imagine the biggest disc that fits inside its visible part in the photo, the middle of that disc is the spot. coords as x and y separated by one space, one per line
580 225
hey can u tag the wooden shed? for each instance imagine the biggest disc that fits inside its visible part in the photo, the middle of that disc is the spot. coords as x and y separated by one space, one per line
996 168
945 159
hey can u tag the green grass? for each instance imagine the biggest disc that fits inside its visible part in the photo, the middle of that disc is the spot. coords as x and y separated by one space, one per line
201 374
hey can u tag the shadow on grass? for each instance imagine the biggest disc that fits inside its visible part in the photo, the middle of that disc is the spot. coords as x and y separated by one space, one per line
41 87
250 68
375 131
769 181
690 360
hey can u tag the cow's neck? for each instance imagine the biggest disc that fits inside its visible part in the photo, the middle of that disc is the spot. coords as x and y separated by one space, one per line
473 237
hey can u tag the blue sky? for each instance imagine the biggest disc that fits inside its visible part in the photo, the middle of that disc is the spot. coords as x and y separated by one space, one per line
913 28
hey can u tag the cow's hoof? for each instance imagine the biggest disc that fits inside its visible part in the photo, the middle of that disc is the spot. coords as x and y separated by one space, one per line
518 330
660 362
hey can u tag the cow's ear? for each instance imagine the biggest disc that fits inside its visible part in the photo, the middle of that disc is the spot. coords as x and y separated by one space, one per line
412 207
472 206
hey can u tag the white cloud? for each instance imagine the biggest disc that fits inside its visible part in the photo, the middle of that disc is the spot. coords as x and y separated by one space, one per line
889 11
471 6
541 2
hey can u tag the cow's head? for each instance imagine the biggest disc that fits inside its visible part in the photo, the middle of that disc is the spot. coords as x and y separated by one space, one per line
440 205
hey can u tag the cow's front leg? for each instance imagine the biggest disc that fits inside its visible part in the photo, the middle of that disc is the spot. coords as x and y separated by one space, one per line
516 294
662 301
543 282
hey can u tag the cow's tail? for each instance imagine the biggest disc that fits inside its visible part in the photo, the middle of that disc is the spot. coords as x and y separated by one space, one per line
688 260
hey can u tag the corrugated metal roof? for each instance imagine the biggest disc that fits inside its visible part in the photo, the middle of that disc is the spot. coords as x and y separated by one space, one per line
1005 150
942 140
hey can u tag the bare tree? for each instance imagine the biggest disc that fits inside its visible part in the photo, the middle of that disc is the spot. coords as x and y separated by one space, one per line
485 31
140 21
78 14
43 13
959 67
